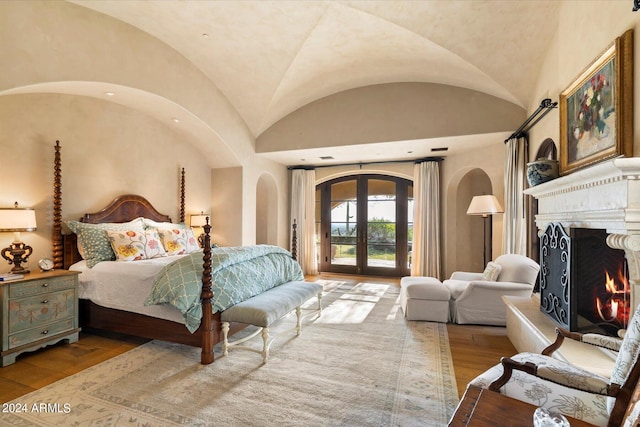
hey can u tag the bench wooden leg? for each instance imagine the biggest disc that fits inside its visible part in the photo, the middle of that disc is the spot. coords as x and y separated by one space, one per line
320 303
265 344
225 335
298 320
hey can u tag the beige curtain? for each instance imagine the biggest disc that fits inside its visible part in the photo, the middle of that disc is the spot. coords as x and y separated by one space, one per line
303 211
515 220
425 256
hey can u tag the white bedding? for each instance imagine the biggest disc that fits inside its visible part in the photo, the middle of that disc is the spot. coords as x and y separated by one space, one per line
125 286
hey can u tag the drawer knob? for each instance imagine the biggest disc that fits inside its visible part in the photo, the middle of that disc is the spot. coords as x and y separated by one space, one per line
45 301
45 285
45 332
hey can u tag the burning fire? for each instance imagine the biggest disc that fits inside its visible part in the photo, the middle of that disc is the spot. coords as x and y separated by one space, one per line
614 304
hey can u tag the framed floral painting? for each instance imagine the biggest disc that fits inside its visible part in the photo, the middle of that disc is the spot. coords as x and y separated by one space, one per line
596 110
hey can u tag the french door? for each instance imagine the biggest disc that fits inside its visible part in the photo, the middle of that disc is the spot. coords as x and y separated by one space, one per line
365 224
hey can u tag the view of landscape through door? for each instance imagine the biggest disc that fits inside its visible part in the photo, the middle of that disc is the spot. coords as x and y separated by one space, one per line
365 225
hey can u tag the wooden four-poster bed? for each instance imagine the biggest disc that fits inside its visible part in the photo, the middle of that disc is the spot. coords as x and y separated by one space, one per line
123 209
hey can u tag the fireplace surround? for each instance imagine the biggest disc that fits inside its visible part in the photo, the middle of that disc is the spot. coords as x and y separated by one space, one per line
605 196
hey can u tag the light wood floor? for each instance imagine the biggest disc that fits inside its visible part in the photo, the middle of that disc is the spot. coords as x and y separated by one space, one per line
474 349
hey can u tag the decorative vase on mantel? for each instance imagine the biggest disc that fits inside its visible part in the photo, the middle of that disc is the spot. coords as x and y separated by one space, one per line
542 170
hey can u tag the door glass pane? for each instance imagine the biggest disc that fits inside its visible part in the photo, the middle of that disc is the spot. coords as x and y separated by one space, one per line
381 223
343 222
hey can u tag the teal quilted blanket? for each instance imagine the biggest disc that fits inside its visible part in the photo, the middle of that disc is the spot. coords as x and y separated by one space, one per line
238 273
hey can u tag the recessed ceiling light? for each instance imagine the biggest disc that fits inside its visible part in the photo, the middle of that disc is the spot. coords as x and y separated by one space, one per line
175 120
109 93
205 35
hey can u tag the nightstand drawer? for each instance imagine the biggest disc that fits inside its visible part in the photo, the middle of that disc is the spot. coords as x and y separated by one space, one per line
35 287
43 331
26 313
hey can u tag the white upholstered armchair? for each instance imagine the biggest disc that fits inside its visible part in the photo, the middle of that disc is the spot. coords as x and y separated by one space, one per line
477 297
543 380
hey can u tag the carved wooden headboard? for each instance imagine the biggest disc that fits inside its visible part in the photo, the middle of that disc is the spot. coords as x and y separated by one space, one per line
125 208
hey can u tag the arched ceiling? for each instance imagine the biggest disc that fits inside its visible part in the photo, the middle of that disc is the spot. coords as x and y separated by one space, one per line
270 58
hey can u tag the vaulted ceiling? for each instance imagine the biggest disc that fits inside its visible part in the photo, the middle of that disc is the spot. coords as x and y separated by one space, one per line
270 58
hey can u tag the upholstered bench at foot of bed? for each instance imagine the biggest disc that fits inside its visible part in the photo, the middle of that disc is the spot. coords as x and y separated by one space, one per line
264 309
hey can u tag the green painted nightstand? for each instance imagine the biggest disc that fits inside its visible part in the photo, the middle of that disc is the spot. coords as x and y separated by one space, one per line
38 310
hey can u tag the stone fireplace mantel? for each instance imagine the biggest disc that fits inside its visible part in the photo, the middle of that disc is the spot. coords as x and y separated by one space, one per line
604 196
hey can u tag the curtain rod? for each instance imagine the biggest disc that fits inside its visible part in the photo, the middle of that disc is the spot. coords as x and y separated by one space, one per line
545 107
310 167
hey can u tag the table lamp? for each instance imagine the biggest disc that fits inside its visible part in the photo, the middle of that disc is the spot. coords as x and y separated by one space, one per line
199 221
16 220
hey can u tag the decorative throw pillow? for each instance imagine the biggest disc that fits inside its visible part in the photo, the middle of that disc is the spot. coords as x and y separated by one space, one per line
192 241
94 239
491 272
135 245
178 241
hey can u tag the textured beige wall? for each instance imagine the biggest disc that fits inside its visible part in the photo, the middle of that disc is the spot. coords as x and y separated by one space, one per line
577 44
227 203
107 150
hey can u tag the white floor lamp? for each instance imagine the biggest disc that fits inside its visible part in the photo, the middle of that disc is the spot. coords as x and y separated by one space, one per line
485 205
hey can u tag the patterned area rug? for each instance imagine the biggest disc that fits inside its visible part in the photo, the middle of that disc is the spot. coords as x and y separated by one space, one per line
359 364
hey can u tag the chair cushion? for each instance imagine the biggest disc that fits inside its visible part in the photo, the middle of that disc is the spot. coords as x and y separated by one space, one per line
427 291
455 287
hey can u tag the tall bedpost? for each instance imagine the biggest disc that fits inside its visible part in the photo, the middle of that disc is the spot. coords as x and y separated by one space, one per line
294 241
206 356
182 195
56 238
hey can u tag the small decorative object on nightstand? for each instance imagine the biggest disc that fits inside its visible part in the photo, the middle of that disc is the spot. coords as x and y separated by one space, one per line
38 310
45 264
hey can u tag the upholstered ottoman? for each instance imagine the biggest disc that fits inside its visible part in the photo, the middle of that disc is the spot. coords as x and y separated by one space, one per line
424 298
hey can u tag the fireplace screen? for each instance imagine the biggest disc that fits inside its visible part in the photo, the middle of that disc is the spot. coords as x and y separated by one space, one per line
555 265
584 283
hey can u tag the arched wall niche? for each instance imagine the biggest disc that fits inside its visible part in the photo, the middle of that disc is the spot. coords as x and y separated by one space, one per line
465 233
266 210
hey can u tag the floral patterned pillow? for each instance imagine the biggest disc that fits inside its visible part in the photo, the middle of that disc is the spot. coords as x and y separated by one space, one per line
178 241
132 245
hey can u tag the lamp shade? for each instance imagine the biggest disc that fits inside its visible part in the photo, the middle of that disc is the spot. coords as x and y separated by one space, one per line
198 220
17 219
484 205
